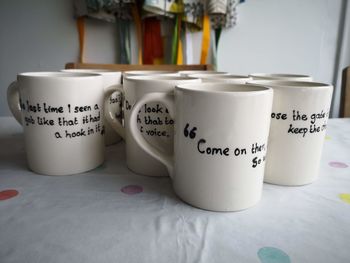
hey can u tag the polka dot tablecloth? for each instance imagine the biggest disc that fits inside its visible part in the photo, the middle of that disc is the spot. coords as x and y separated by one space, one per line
113 215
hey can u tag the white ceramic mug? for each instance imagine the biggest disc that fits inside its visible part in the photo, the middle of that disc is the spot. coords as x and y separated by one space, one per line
220 142
62 118
226 78
298 126
153 121
111 80
280 76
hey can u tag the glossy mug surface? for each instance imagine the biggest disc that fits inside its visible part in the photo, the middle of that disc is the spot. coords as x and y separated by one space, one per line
298 126
220 143
134 73
224 78
111 80
280 76
153 121
62 118
187 73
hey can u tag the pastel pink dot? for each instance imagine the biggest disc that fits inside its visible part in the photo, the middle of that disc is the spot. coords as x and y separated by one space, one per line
8 194
338 165
132 189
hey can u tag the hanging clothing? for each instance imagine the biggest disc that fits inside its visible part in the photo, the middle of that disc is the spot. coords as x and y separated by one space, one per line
163 7
152 42
193 14
107 10
223 13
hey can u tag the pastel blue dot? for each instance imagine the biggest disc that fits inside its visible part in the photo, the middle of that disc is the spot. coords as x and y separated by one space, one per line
272 255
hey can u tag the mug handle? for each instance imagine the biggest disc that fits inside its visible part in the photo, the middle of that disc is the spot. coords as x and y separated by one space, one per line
168 100
13 101
109 115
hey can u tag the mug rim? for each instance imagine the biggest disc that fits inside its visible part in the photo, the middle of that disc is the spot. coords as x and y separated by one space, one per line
57 75
278 75
94 71
208 72
291 84
159 78
231 89
135 73
219 76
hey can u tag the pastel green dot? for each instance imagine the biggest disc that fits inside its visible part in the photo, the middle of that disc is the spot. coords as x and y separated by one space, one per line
272 255
345 198
328 138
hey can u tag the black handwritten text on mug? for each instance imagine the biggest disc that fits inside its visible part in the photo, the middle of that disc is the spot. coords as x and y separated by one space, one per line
316 116
153 120
191 133
279 115
60 116
258 148
45 121
115 99
298 116
128 106
32 107
296 130
314 122
41 108
29 120
62 121
304 130
156 109
91 118
203 149
256 161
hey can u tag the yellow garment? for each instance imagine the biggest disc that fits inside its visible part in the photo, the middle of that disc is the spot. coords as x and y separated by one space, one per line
205 39
81 32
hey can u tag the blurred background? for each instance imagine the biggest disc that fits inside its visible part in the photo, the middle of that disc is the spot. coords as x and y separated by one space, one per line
271 36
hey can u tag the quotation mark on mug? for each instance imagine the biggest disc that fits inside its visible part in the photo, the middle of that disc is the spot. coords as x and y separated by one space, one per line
191 133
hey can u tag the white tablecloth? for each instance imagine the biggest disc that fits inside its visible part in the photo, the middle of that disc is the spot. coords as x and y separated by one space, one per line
112 215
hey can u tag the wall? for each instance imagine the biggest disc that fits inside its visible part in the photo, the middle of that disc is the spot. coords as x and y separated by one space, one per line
286 37
299 36
41 35
343 58
283 37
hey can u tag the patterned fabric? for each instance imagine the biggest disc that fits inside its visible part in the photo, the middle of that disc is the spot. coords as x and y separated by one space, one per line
217 6
222 13
107 10
163 7
226 19
193 13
